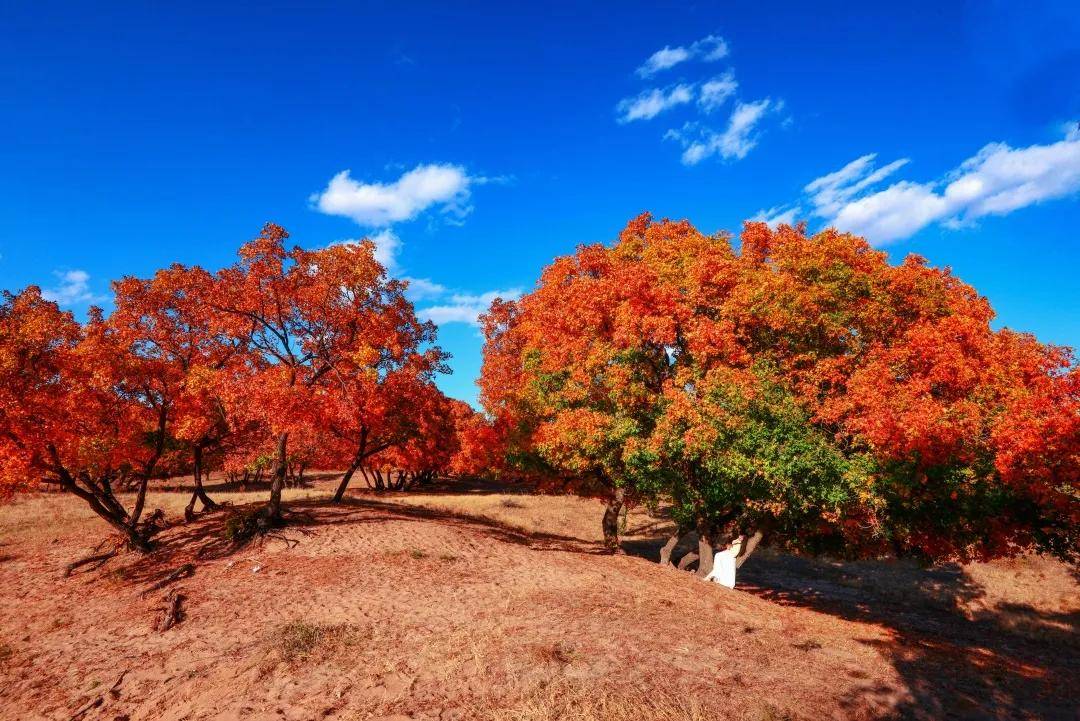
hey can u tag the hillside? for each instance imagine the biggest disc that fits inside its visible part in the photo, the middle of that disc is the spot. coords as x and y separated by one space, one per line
482 603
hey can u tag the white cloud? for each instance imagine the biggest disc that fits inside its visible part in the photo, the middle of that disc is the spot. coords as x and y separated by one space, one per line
700 140
831 192
466 307
387 245
423 289
734 143
650 103
377 205
896 212
711 48
74 289
739 138
714 93
664 58
778 215
997 180
708 49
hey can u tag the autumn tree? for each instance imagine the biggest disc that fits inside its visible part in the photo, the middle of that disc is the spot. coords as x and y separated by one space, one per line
801 386
481 447
426 451
579 365
381 396
77 410
326 337
162 321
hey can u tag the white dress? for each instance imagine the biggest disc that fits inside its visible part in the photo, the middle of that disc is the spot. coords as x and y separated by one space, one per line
723 570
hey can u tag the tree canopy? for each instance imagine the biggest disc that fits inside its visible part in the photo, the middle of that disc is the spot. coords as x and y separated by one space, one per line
796 384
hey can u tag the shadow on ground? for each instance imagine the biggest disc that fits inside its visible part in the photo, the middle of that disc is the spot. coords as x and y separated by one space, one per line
210 537
1009 661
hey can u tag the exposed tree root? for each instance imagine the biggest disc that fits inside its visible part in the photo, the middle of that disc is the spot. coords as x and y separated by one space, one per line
94 703
96 561
242 528
185 571
173 612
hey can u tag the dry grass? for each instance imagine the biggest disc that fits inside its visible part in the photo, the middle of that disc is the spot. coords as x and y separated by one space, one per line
421 603
566 700
300 640
569 516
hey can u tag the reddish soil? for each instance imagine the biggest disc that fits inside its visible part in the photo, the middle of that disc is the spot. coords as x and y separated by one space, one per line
384 609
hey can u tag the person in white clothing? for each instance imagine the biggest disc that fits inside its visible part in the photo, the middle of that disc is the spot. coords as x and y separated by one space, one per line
724 564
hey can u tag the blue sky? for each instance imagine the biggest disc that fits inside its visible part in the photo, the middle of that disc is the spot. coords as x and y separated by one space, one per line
480 142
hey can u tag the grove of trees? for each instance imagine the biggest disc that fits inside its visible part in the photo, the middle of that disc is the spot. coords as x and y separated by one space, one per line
792 387
289 358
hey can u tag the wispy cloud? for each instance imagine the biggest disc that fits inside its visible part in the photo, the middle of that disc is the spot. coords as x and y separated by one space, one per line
650 103
714 93
700 138
387 245
443 187
830 193
778 215
997 180
466 307
708 49
73 289
733 143
423 289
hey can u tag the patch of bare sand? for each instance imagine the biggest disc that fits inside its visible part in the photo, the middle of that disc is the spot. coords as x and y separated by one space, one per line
444 607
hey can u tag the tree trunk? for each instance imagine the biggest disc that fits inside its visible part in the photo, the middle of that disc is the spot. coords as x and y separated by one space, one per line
340 493
610 522
686 560
198 493
705 550
665 552
272 513
748 548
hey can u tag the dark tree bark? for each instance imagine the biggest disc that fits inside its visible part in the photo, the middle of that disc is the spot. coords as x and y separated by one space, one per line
100 498
340 492
666 550
686 560
748 548
198 493
97 560
272 513
173 613
705 549
610 522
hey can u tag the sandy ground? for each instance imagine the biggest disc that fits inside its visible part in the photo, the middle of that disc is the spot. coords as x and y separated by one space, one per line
472 603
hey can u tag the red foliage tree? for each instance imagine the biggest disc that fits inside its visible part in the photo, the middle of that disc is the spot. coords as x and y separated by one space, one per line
802 384
162 321
77 410
309 323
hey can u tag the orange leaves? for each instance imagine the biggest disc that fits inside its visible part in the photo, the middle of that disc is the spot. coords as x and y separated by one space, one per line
66 398
805 362
317 346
